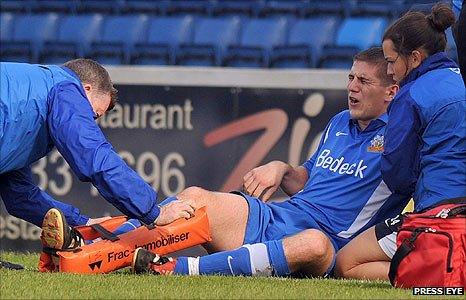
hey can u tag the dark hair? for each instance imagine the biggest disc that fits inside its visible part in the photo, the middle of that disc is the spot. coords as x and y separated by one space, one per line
374 56
416 30
91 72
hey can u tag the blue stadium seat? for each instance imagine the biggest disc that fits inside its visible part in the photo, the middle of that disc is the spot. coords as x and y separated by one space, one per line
374 8
354 34
212 36
63 6
257 39
336 63
421 5
75 34
337 8
284 7
165 34
192 7
23 6
6 26
143 6
305 41
119 34
451 49
361 32
26 43
243 8
100 6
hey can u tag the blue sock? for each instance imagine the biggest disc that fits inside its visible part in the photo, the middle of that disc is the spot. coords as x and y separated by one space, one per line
123 228
168 200
278 258
127 226
261 259
234 262
181 266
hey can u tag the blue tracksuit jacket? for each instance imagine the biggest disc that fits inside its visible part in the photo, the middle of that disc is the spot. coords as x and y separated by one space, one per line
425 139
42 107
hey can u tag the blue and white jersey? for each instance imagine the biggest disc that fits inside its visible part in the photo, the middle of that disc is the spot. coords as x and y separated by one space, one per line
345 192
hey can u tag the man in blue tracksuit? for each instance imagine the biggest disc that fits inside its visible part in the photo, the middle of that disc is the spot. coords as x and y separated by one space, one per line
42 107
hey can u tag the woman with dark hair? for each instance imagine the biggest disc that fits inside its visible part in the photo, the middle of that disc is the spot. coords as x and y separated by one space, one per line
425 139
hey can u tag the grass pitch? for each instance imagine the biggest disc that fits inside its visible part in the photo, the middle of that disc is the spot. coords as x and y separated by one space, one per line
30 284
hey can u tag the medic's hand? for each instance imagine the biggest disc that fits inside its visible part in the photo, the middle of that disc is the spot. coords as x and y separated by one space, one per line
174 211
263 181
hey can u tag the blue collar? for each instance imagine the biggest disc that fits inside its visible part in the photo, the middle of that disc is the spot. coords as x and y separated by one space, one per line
72 73
436 61
382 120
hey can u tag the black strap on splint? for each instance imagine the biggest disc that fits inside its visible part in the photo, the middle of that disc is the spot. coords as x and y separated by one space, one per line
151 226
104 233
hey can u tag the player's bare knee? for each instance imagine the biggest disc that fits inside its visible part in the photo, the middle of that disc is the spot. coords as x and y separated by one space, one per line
196 194
315 246
310 252
318 244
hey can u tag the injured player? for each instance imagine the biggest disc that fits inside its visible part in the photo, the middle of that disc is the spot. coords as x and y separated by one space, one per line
335 195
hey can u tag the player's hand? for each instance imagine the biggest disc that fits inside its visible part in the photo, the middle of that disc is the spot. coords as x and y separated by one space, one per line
263 181
173 211
97 220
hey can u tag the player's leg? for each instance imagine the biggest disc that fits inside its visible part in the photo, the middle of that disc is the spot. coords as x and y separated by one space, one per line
227 213
309 252
369 254
260 259
250 228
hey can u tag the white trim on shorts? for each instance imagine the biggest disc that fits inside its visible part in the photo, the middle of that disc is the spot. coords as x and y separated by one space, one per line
388 244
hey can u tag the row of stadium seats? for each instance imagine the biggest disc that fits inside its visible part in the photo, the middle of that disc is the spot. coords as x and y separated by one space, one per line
187 40
250 8
324 41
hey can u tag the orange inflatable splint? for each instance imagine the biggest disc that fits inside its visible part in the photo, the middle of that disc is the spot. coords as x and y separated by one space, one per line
106 255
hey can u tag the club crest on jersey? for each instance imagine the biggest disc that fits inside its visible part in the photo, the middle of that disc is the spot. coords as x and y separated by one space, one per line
376 144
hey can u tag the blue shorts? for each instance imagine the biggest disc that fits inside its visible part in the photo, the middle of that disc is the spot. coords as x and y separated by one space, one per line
276 220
